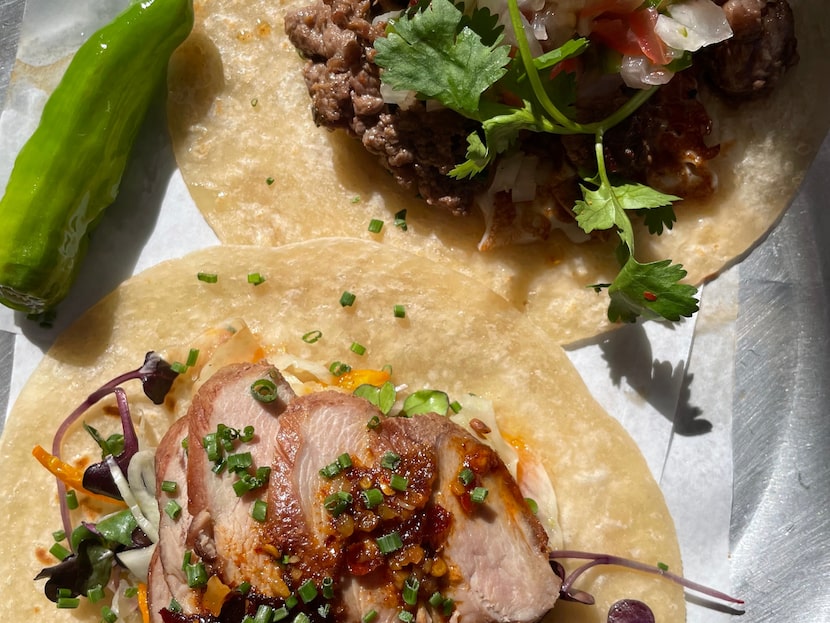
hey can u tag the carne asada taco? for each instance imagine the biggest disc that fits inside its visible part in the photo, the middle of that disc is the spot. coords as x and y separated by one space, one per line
732 136
281 365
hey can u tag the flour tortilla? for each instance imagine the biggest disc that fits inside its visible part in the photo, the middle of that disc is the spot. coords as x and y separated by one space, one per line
457 336
240 115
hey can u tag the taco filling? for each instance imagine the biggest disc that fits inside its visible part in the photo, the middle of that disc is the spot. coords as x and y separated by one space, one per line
546 114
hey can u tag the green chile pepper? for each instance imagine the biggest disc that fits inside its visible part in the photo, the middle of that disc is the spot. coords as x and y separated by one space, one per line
70 169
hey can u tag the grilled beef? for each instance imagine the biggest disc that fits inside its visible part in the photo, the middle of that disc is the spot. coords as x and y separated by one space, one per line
663 145
373 514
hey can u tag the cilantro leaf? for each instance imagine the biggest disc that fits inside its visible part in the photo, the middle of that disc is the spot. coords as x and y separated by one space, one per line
651 290
432 53
659 218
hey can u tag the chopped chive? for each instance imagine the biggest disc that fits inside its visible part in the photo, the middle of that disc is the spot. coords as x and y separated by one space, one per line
59 535
186 558
455 406
291 601
254 101
347 299
95 593
324 610
169 486
59 551
399 311
389 543
196 575
307 591
279 614
173 509
330 471
466 476
338 368
259 510
68 602
240 461
344 461
478 495
375 225
207 277
406 616
390 460
269 180
244 588
358 349
178 367
410 590
312 336
532 505
263 614
174 606
108 616
328 587
264 390
71 499
373 423
302 617
662 566
247 434
255 279
192 356
436 599
369 617
131 591
400 219
372 497
337 503
355 199
398 482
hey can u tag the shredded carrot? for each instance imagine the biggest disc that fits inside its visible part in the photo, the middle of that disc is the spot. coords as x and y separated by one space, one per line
143 607
69 475
353 379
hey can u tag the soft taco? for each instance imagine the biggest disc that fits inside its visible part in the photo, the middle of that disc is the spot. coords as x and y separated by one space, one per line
282 311
262 172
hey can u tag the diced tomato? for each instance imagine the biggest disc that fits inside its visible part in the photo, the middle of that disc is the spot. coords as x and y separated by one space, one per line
642 25
631 34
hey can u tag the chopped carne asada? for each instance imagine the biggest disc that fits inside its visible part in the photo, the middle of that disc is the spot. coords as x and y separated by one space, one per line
662 144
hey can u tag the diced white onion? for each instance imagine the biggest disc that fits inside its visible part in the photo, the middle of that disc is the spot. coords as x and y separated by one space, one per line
404 99
638 72
137 560
693 24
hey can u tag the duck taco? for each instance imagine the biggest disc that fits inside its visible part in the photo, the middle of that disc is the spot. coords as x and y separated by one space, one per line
616 147
314 431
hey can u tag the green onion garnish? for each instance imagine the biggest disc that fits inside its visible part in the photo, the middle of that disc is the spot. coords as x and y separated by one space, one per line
68 602
244 588
279 614
173 509
302 617
255 278
59 535
662 566
263 614
312 336
264 390
532 505
344 461
347 299
455 406
196 575
390 460
466 476
59 551
406 616
259 510
338 368
478 495
400 220
328 587
337 503
269 180
398 482
358 349
410 590
373 423
372 497
399 311
178 367
207 277
192 356
375 225
71 499
95 593
307 591
108 616
169 486
330 471
369 617
389 543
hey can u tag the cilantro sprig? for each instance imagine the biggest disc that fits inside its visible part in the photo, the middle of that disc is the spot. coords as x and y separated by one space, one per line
460 60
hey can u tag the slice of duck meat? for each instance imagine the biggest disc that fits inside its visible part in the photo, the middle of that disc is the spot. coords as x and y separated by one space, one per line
419 525
223 532
167 580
